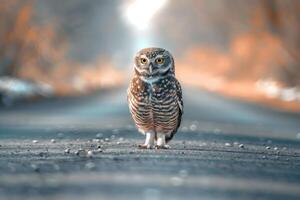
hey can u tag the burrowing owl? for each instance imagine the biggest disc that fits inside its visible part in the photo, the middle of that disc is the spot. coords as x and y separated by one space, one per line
155 97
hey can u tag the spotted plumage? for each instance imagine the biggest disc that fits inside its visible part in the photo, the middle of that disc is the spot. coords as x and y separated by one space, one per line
155 96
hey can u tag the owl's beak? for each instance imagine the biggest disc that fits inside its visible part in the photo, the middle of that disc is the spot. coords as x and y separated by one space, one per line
150 68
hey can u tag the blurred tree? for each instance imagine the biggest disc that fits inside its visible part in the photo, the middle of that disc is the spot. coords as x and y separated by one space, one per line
283 19
23 43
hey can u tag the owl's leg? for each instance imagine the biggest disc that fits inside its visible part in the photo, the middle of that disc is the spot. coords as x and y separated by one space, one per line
161 141
149 142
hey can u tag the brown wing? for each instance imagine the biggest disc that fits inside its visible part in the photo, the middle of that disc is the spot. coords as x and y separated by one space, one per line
180 105
179 96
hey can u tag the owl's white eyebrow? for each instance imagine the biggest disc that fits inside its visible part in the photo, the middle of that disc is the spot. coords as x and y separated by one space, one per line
159 56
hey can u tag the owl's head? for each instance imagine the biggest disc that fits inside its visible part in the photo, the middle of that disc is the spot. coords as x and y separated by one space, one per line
153 63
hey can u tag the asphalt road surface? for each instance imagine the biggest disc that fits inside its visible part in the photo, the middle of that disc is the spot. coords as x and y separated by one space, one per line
86 148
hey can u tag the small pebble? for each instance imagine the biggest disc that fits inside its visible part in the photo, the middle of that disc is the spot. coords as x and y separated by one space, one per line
96 140
67 150
267 147
275 148
90 154
106 139
227 144
35 167
80 152
202 144
35 141
118 142
99 150
42 154
53 141
241 146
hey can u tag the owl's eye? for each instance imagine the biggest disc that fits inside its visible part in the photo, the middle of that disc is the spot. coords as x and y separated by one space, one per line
144 60
160 60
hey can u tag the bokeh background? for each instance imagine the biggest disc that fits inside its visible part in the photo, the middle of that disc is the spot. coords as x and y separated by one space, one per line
244 49
65 128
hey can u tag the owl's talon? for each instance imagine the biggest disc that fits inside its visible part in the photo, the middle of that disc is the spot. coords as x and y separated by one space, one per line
144 146
149 142
162 147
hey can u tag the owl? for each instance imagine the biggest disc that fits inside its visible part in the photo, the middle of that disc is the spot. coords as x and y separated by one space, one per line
155 97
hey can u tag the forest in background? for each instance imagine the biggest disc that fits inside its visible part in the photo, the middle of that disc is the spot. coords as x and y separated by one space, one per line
248 49
37 51
261 57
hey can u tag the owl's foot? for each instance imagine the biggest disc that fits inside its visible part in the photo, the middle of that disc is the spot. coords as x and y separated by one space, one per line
149 142
161 141
162 146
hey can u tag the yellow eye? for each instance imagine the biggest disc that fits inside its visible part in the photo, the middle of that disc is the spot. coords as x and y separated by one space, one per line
144 60
159 60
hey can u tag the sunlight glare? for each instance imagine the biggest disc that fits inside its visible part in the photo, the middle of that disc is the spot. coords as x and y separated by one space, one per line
140 12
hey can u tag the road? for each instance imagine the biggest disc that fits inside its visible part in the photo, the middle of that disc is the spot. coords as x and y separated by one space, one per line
86 148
